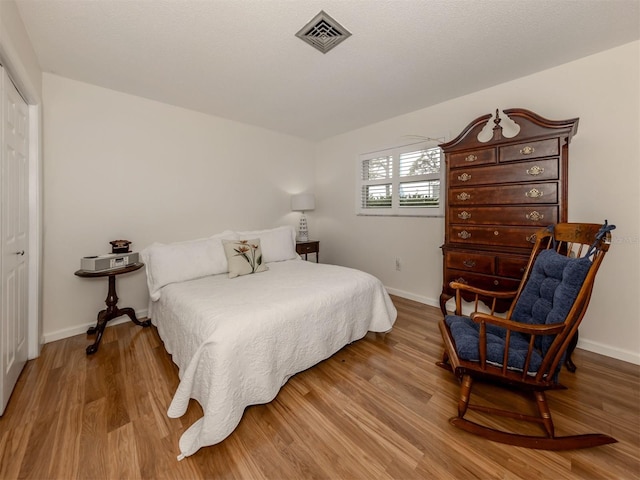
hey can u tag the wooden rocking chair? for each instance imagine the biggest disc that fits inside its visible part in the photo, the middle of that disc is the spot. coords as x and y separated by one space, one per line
525 351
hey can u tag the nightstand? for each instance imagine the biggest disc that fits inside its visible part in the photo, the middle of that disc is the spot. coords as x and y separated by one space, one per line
310 246
112 311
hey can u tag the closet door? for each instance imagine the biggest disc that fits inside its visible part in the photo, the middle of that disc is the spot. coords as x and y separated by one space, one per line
14 236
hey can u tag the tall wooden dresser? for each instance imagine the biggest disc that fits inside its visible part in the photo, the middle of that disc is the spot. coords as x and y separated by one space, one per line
499 193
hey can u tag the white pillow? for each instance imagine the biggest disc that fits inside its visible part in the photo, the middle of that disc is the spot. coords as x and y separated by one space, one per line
277 244
182 261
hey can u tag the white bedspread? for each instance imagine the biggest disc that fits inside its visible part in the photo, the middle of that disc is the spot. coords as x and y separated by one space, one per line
237 341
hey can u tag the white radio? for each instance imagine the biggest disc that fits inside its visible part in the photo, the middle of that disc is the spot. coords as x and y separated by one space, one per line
108 262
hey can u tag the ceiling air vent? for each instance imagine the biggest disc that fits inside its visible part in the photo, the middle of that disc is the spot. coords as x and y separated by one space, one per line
323 32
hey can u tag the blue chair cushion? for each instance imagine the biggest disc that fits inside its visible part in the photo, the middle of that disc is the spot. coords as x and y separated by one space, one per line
549 294
466 333
547 297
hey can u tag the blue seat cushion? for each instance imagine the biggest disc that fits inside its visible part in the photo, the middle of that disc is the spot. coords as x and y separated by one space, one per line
466 333
547 298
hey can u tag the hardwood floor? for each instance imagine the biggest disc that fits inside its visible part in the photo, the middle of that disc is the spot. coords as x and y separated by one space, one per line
377 409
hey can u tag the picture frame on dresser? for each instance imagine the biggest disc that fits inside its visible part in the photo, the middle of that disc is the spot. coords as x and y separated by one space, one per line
499 193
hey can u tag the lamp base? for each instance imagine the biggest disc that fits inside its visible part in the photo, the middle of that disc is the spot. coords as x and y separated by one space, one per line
303 231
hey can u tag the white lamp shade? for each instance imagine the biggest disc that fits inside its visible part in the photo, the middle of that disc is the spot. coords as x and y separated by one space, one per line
303 202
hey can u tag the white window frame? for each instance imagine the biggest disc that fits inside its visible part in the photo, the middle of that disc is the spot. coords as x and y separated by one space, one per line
396 180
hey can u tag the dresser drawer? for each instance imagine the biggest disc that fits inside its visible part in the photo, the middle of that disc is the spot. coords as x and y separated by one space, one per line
524 151
535 171
525 193
468 261
307 247
477 157
487 282
520 237
511 266
540 215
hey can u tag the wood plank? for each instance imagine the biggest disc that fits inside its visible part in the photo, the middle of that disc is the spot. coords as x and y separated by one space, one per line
379 408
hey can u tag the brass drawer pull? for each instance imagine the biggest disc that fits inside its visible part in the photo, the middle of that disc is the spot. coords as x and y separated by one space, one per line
465 177
461 280
464 215
535 170
464 235
470 158
469 263
463 196
496 233
534 193
534 216
496 283
528 150
531 238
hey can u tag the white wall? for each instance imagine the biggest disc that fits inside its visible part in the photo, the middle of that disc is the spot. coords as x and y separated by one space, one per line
119 166
604 164
14 43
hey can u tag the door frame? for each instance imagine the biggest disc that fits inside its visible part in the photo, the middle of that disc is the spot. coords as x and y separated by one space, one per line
16 70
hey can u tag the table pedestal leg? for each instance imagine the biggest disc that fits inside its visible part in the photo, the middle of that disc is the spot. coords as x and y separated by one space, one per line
112 311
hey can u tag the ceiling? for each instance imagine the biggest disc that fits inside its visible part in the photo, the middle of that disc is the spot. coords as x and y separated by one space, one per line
241 60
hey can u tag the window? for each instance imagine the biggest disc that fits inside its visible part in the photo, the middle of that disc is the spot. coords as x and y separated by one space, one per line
400 181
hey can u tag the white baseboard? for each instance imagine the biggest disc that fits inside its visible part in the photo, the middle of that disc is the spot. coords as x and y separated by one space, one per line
585 344
608 351
80 329
412 296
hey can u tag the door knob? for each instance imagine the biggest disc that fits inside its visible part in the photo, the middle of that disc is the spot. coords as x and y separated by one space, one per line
21 252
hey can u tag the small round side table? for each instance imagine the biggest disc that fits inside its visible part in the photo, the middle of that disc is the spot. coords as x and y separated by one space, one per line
112 311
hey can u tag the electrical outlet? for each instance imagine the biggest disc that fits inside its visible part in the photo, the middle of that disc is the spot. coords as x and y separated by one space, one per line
398 264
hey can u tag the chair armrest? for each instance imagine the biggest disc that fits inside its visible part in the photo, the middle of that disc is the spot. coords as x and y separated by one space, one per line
531 329
511 326
480 291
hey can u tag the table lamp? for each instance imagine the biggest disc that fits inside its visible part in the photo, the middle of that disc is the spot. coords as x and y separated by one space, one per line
303 202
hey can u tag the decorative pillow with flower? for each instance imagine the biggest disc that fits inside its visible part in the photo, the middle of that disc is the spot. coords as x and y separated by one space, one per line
244 257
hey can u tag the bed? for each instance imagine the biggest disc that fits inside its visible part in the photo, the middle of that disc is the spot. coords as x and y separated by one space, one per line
236 341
